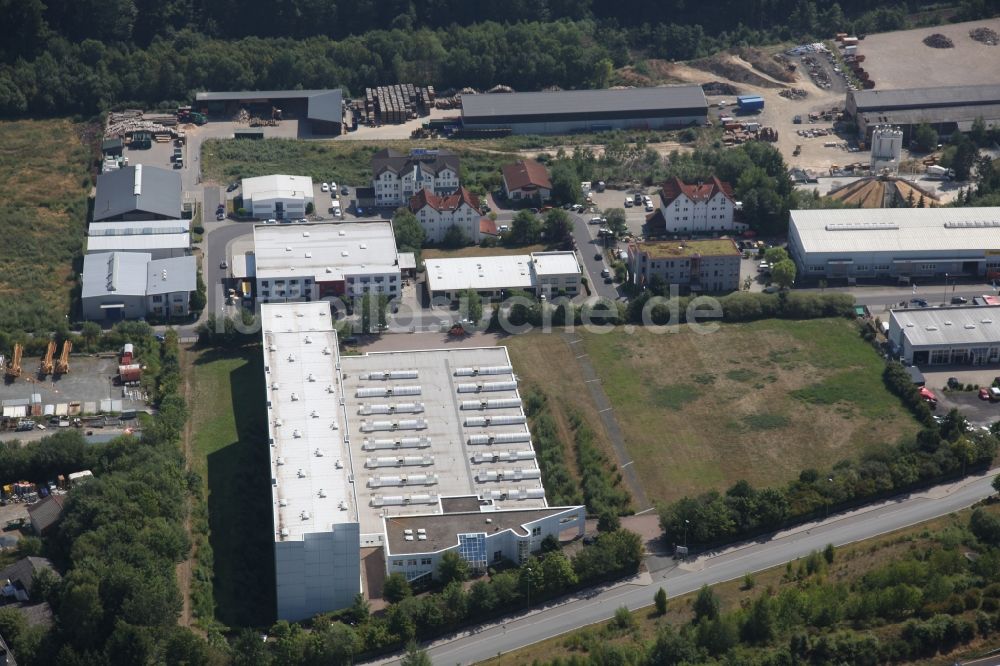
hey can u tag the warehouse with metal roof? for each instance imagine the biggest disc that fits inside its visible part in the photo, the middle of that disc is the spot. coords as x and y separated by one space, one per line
891 243
133 285
543 273
413 452
565 111
321 110
945 108
964 335
138 193
160 238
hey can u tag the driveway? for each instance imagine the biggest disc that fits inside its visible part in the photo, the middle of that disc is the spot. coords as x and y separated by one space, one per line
588 246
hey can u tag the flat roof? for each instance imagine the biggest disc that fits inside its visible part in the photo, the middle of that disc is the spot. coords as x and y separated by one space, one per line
555 263
310 462
167 276
703 248
133 243
442 530
277 186
622 101
423 434
962 325
946 96
326 252
407 261
480 273
897 229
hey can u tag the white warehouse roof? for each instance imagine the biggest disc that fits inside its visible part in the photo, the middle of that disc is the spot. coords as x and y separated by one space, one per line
515 271
325 252
277 187
967 325
897 229
138 242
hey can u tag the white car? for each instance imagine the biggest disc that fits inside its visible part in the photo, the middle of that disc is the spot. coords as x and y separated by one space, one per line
337 213
325 187
628 203
596 220
271 221
333 188
649 207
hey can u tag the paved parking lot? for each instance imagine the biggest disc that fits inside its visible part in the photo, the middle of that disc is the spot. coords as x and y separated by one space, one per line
635 217
90 379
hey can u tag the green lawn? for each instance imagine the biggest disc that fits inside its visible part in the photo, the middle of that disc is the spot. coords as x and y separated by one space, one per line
44 181
477 251
231 455
758 401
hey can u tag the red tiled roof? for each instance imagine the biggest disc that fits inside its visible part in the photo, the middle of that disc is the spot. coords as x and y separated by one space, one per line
447 203
526 174
487 226
701 191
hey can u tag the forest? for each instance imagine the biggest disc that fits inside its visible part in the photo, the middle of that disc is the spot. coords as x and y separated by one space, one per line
84 57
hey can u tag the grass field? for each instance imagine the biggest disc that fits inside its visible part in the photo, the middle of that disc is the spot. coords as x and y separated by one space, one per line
759 401
44 181
230 455
476 251
851 563
343 161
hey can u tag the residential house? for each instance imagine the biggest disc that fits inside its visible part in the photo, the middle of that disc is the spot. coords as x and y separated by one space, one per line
700 265
396 177
526 179
705 207
437 214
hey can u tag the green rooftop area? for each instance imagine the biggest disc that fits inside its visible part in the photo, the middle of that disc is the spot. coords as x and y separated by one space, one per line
703 248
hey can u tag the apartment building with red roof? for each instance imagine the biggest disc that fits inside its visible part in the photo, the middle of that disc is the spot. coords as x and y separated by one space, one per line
437 214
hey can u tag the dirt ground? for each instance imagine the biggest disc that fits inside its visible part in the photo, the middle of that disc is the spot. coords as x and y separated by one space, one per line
901 59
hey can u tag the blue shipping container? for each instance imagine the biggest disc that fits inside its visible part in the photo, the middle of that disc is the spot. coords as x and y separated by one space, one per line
750 102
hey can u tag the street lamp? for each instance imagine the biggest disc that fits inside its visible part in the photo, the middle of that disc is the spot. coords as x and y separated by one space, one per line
944 296
686 523
528 570
830 479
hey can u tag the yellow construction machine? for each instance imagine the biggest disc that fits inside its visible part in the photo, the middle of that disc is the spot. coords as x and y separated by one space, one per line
13 369
46 367
62 365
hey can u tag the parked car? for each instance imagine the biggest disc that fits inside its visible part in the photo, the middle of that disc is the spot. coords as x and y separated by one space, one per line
918 302
605 273
224 265
928 396
763 267
324 187
597 220
959 300
232 187
608 279
333 187
344 190
628 203
219 217
598 256
984 393
649 207
637 199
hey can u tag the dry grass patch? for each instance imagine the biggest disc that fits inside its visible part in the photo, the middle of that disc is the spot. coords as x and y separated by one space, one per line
476 251
44 180
759 401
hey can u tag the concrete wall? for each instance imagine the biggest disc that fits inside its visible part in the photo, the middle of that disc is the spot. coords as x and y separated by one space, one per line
318 574
135 307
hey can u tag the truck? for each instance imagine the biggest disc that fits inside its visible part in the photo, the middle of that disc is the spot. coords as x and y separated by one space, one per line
940 172
750 103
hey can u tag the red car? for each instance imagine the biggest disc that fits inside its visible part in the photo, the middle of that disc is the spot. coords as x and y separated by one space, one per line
984 393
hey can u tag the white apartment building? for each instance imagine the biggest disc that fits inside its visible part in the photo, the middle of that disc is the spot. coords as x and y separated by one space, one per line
437 214
277 197
701 208
397 177
307 262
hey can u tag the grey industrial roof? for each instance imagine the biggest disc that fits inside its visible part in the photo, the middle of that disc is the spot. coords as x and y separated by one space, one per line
593 101
964 116
114 273
139 228
897 229
442 529
964 325
875 100
166 276
138 242
322 104
138 188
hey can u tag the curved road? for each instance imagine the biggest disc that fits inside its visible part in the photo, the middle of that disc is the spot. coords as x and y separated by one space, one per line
487 641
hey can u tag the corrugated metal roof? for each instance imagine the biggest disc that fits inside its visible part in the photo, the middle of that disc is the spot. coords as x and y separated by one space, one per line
965 325
587 101
138 188
114 273
950 96
138 242
141 227
897 229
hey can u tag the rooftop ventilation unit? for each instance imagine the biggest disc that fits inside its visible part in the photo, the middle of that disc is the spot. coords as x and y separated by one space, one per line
486 370
284 532
321 493
282 502
301 474
318 453
502 403
280 461
305 515
399 461
503 419
401 443
862 226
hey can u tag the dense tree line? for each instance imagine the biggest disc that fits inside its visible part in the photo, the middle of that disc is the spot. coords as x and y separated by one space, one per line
120 539
935 453
82 57
917 604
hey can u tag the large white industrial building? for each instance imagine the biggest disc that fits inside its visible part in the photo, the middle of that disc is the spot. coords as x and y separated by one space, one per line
417 453
303 262
541 273
896 242
965 335
277 197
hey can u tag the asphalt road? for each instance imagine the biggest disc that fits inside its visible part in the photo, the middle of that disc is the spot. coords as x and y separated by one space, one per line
588 245
215 243
488 640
